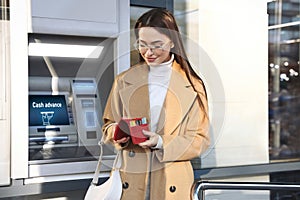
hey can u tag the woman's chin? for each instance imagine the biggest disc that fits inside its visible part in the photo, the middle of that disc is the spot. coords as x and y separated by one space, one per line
152 62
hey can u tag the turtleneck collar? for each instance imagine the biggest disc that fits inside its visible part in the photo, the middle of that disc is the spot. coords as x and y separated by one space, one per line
162 68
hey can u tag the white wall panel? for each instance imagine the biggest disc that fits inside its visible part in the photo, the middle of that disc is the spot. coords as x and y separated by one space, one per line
19 89
75 17
4 104
88 10
233 36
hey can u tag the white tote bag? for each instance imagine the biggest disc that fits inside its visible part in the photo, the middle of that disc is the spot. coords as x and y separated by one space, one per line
110 189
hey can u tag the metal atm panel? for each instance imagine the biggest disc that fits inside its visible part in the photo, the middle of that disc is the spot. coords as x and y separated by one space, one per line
65 102
86 104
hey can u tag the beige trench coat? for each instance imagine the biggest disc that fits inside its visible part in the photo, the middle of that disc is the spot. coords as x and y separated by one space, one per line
183 127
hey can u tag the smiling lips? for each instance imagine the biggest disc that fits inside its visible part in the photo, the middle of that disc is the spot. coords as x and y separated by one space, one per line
151 59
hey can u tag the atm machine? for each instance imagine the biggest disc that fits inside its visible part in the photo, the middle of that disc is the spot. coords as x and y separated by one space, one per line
66 118
57 97
66 98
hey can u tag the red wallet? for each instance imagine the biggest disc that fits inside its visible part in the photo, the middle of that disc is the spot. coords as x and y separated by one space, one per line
132 128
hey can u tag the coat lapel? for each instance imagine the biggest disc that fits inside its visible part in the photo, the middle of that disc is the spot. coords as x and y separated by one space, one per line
180 97
135 95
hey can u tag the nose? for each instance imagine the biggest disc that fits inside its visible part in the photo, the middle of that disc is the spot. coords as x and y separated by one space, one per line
149 51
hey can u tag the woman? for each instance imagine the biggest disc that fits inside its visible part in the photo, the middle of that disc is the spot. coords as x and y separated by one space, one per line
165 90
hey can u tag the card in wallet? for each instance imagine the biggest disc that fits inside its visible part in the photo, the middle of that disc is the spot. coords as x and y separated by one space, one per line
132 128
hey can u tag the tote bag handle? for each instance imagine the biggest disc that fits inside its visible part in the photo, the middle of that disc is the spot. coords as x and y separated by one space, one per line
117 162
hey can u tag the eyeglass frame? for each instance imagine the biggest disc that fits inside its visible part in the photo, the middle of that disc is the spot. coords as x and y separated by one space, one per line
153 48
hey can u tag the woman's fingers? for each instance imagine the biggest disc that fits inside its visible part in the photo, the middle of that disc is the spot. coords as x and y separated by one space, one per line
123 140
152 141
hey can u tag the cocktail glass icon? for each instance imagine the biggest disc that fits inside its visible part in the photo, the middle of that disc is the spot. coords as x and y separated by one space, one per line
46 116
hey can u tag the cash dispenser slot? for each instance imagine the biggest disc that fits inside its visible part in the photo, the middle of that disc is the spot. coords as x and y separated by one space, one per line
49 139
48 129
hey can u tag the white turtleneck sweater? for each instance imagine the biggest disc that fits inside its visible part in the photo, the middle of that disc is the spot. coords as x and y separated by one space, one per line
158 79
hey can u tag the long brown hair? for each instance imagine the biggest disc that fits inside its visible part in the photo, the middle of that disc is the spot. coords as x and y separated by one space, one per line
164 22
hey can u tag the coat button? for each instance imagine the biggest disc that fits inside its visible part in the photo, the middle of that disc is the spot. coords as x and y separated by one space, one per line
172 188
131 153
125 185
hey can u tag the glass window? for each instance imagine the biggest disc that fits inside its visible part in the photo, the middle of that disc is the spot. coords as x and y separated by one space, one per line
284 80
137 8
283 11
135 13
4 10
290 177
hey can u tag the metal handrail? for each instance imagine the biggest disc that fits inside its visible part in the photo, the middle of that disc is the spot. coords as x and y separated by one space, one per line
200 187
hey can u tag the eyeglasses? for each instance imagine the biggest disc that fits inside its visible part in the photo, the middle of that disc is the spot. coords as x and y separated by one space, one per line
157 49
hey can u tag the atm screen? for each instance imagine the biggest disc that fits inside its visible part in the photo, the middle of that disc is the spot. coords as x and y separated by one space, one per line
47 110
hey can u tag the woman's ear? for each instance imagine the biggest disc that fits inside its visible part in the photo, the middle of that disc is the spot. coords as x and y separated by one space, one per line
172 45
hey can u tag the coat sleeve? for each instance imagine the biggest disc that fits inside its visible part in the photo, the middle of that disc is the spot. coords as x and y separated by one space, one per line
112 113
193 140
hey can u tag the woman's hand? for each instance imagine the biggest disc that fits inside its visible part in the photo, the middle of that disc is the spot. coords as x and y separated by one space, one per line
123 140
152 141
